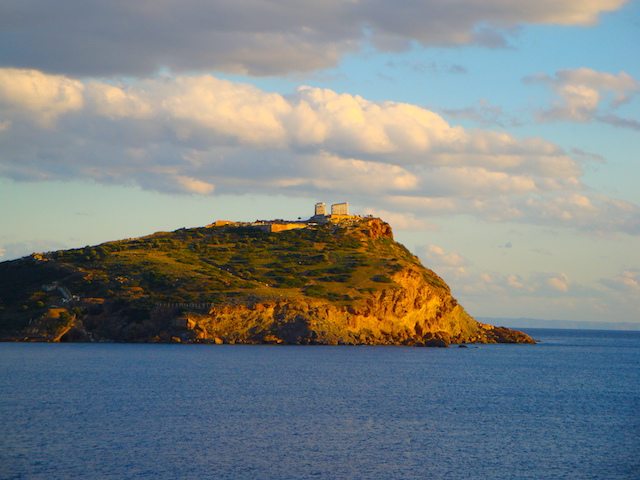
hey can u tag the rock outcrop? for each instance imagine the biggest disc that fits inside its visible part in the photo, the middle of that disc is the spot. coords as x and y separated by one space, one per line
413 314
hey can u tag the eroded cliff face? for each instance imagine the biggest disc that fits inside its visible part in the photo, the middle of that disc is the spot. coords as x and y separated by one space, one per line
409 313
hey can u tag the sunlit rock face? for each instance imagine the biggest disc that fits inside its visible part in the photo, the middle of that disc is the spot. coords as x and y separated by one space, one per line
414 314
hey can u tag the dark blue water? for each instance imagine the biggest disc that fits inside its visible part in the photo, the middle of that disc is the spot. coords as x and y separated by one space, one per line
567 408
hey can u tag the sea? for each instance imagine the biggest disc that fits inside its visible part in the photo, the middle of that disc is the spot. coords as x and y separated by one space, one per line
566 408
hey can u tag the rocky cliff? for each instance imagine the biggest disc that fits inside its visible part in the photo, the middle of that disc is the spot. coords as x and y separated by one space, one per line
333 284
412 314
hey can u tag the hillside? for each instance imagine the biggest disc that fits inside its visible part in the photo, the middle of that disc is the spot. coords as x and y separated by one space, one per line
347 282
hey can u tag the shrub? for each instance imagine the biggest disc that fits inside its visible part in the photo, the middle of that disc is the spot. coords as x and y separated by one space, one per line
339 278
381 279
317 291
290 282
367 290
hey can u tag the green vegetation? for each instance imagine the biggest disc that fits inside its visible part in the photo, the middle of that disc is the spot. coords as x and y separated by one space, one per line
207 265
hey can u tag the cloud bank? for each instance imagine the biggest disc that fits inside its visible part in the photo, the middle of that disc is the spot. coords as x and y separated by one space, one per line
255 37
201 134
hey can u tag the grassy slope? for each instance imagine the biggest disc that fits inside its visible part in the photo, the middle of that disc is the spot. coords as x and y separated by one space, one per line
209 265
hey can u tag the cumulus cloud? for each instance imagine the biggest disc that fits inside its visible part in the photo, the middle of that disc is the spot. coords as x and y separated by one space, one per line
436 255
560 282
39 97
254 36
200 134
581 94
450 265
535 284
627 282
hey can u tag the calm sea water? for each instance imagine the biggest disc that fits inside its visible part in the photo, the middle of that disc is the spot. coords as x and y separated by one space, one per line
567 408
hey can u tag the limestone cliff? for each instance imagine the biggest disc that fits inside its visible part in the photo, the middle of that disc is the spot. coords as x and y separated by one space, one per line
346 283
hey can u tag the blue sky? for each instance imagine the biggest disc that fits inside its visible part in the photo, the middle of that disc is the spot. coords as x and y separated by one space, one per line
499 139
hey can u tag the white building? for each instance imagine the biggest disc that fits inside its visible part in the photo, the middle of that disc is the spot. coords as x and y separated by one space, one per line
340 209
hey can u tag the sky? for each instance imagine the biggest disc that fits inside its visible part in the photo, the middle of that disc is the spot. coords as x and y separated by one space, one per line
500 139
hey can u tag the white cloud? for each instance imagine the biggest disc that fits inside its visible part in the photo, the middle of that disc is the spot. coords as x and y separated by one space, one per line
515 281
200 134
476 182
436 255
37 96
115 102
451 266
583 93
560 282
344 174
535 284
254 36
195 185
627 282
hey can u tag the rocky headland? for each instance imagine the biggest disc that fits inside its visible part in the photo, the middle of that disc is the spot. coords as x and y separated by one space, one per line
344 281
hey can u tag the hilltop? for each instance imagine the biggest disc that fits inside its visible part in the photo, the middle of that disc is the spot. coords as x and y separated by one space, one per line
340 281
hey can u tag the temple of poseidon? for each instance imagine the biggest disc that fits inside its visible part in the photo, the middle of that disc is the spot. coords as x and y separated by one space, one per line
339 214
